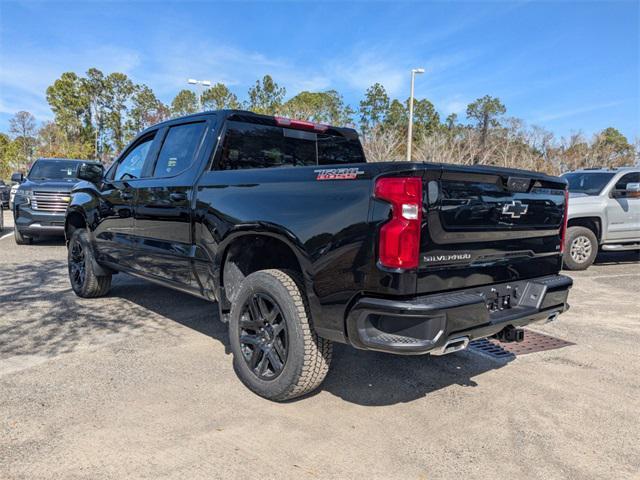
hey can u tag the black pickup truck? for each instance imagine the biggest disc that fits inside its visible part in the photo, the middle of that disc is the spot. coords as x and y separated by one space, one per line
302 243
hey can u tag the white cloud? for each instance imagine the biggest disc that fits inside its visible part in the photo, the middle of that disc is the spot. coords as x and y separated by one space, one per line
454 106
362 70
572 112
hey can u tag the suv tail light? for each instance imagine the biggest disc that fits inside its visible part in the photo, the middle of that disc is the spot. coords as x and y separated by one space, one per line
399 245
563 232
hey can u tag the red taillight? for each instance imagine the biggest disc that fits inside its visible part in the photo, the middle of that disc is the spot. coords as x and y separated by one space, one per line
400 237
301 124
563 232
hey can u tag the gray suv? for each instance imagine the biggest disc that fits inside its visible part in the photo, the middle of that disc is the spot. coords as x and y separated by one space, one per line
604 214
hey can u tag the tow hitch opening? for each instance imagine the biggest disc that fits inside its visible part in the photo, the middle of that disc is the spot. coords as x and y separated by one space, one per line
510 334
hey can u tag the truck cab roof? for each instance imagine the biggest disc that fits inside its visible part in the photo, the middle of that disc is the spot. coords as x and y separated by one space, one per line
606 170
252 117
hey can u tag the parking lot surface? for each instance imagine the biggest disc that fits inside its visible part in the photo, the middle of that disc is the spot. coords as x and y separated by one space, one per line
140 385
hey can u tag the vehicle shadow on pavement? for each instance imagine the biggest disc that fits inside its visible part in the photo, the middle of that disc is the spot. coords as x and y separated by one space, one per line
356 376
48 241
616 258
41 317
378 379
187 310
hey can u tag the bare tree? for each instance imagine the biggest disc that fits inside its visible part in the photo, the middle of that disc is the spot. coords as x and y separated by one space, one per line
22 127
382 145
463 148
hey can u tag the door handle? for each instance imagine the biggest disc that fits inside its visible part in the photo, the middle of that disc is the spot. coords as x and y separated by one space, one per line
177 197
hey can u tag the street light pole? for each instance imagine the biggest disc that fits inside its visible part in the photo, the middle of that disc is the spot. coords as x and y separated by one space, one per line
410 133
203 84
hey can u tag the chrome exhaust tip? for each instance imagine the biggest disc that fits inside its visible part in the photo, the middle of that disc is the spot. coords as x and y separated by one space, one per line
453 345
552 317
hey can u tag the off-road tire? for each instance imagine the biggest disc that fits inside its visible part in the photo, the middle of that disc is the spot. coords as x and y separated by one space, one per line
580 237
88 285
20 238
308 356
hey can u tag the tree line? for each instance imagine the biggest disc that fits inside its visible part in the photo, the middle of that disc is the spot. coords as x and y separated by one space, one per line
97 114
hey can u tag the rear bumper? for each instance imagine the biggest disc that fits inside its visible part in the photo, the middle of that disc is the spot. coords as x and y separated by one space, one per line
31 222
426 324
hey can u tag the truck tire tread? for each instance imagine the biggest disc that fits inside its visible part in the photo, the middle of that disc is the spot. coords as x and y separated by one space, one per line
310 370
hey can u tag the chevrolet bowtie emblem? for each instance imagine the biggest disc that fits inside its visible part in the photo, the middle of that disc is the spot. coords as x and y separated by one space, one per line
515 209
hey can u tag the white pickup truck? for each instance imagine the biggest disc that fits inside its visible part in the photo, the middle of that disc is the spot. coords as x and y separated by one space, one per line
604 214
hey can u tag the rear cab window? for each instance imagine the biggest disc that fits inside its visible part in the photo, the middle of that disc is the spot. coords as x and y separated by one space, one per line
252 145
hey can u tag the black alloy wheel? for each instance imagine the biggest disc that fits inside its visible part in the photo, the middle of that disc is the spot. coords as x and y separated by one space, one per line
263 336
83 269
77 265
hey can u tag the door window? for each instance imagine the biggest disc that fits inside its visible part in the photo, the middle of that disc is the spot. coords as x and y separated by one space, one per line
633 177
130 166
178 149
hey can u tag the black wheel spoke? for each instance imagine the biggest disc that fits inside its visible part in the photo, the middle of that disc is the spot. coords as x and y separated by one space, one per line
248 323
254 308
263 365
262 307
77 268
273 315
249 339
276 363
278 347
263 336
278 327
255 357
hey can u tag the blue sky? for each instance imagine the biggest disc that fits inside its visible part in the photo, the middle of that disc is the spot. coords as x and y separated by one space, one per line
566 66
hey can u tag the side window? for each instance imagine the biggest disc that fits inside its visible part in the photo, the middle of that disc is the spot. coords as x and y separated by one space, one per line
178 149
633 177
131 165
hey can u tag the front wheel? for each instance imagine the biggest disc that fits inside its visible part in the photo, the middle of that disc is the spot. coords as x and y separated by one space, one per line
276 352
84 281
580 249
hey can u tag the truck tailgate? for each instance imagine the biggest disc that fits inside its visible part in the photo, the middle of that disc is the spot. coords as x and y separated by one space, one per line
485 225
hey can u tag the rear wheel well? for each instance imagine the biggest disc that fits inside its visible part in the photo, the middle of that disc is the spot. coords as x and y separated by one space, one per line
592 223
249 254
73 221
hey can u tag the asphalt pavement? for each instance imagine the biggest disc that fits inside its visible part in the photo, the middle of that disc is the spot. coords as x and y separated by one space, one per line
140 385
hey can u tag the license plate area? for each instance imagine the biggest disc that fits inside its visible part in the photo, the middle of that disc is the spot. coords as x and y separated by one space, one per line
497 302
506 296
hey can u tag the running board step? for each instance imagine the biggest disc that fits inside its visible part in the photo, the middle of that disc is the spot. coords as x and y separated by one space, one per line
621 247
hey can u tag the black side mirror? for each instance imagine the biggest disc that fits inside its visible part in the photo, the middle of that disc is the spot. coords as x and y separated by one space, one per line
91 172
17 178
